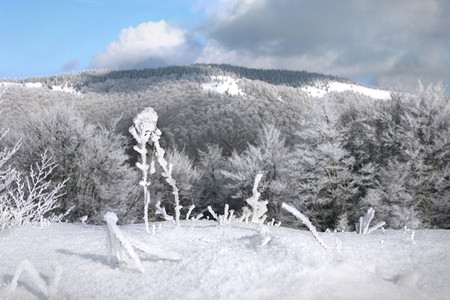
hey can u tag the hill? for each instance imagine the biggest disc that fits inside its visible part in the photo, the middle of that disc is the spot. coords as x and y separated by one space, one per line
220 104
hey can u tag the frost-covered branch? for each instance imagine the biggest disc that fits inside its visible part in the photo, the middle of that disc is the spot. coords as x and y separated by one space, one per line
305 221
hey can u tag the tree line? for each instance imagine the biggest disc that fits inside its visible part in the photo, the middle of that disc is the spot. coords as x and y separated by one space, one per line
332 157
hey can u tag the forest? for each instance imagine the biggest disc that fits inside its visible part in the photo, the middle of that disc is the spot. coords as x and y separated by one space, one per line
331 157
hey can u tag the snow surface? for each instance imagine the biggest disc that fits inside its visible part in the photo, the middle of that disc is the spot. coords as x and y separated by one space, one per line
222 85
230 262
320 91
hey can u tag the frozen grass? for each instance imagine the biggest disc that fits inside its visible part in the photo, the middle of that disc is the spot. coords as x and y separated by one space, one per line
229 261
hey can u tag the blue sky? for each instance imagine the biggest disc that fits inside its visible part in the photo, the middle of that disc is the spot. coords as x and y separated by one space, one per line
385 43
49 37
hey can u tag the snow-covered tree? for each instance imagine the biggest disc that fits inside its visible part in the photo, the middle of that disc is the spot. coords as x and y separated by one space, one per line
270 157
90 159
428 152
210 188
325 181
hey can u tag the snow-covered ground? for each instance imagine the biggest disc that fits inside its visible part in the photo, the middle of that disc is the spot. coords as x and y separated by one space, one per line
334 86
230 262
222 85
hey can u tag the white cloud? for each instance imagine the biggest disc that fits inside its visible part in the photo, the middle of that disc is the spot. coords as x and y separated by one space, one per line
151 44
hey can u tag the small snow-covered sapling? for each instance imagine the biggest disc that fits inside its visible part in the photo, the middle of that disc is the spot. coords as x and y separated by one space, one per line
121 247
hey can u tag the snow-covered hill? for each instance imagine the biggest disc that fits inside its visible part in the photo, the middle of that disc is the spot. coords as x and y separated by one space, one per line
229 262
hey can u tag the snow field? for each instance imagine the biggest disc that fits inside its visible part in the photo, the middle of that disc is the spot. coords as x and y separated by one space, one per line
222 85
338 87
229 262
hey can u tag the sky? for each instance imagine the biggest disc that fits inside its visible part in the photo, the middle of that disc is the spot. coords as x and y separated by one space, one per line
382 43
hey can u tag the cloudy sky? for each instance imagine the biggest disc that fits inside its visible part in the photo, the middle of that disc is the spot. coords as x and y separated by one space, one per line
387 43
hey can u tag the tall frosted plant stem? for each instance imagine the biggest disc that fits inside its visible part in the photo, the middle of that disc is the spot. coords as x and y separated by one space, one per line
144 126
167 173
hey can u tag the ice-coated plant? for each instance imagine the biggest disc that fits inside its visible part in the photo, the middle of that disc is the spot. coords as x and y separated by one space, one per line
364 222
162 211
121 249
49 290
145 132
144 126
167 173
305 221
259 208
226 218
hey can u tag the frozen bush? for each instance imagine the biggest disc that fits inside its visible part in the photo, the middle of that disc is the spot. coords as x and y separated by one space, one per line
32 200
